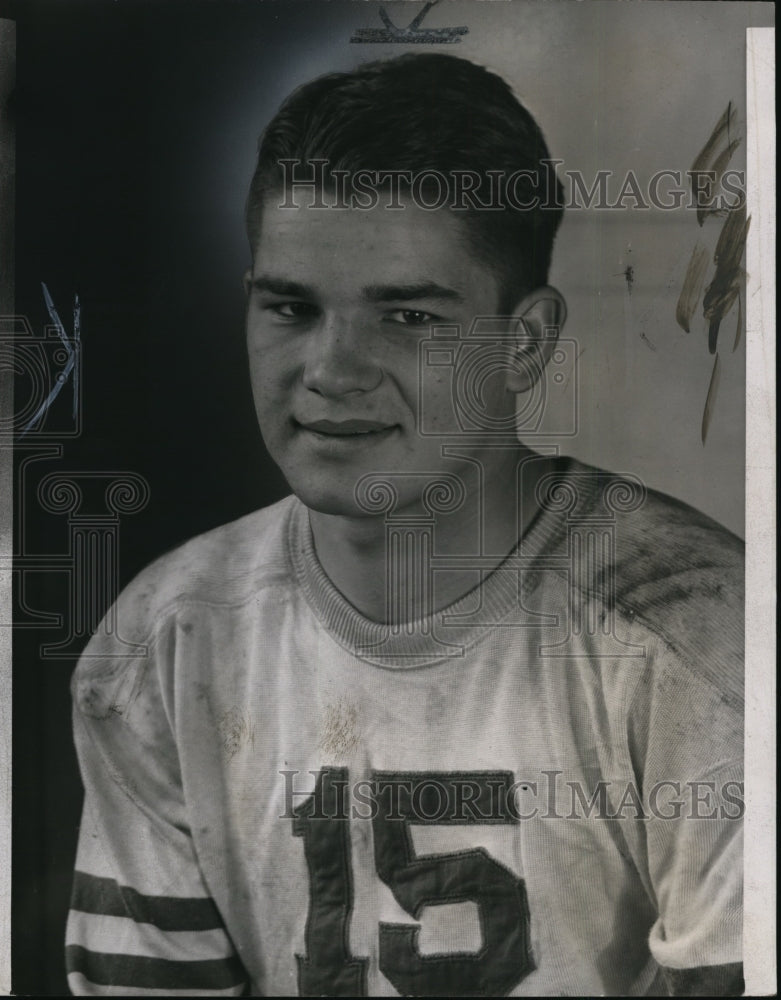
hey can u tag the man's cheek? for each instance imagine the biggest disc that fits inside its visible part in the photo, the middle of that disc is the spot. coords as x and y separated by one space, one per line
435 413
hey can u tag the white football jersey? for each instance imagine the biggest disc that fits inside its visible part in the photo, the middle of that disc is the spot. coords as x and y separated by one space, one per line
537 791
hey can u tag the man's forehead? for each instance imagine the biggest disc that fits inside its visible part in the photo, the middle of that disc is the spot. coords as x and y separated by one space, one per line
405 216
377 246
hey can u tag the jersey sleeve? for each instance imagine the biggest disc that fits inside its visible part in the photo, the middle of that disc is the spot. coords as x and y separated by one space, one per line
693 800
680 587
141 919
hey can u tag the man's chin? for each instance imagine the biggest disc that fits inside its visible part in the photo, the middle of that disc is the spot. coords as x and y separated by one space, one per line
324 501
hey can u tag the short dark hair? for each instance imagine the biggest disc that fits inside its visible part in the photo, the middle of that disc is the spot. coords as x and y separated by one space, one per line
426 112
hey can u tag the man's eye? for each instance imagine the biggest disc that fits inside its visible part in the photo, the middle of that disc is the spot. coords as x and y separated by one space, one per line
293 310
412 317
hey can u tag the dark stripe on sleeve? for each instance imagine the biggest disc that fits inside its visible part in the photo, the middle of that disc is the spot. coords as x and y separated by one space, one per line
105 969
168 913
706 981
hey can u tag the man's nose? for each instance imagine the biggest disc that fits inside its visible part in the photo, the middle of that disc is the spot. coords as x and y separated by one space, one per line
340 358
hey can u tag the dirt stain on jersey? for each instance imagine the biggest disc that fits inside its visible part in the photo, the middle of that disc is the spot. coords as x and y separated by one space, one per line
236 730
339 728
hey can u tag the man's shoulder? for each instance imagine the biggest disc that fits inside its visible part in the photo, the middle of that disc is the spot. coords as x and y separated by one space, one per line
220 569
654 537
668 552
676 572
225 565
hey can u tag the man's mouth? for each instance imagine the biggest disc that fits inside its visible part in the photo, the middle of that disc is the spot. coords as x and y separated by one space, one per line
345 428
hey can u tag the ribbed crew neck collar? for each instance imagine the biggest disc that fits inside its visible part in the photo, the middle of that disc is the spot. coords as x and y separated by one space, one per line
450 632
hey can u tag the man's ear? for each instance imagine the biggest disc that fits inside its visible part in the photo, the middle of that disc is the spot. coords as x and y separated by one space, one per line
541 315
247 281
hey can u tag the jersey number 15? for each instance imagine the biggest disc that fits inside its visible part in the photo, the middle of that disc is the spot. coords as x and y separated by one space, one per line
329 969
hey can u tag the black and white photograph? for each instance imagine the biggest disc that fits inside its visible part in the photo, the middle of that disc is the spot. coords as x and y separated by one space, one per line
387 469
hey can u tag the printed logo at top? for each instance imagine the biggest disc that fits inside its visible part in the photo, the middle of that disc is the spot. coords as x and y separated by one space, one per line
412 33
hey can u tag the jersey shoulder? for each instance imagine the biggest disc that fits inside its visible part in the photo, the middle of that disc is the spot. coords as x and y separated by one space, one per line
681 575
224 566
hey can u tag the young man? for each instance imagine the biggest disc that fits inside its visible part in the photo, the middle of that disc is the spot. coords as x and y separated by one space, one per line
457 718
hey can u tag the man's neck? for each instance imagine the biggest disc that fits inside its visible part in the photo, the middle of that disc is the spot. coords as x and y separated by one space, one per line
356 556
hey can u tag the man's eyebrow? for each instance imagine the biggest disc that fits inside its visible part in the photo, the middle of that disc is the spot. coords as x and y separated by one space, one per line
373 293
280 286
407 293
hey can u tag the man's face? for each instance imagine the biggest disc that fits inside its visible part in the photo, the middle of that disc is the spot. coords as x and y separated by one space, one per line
339 301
